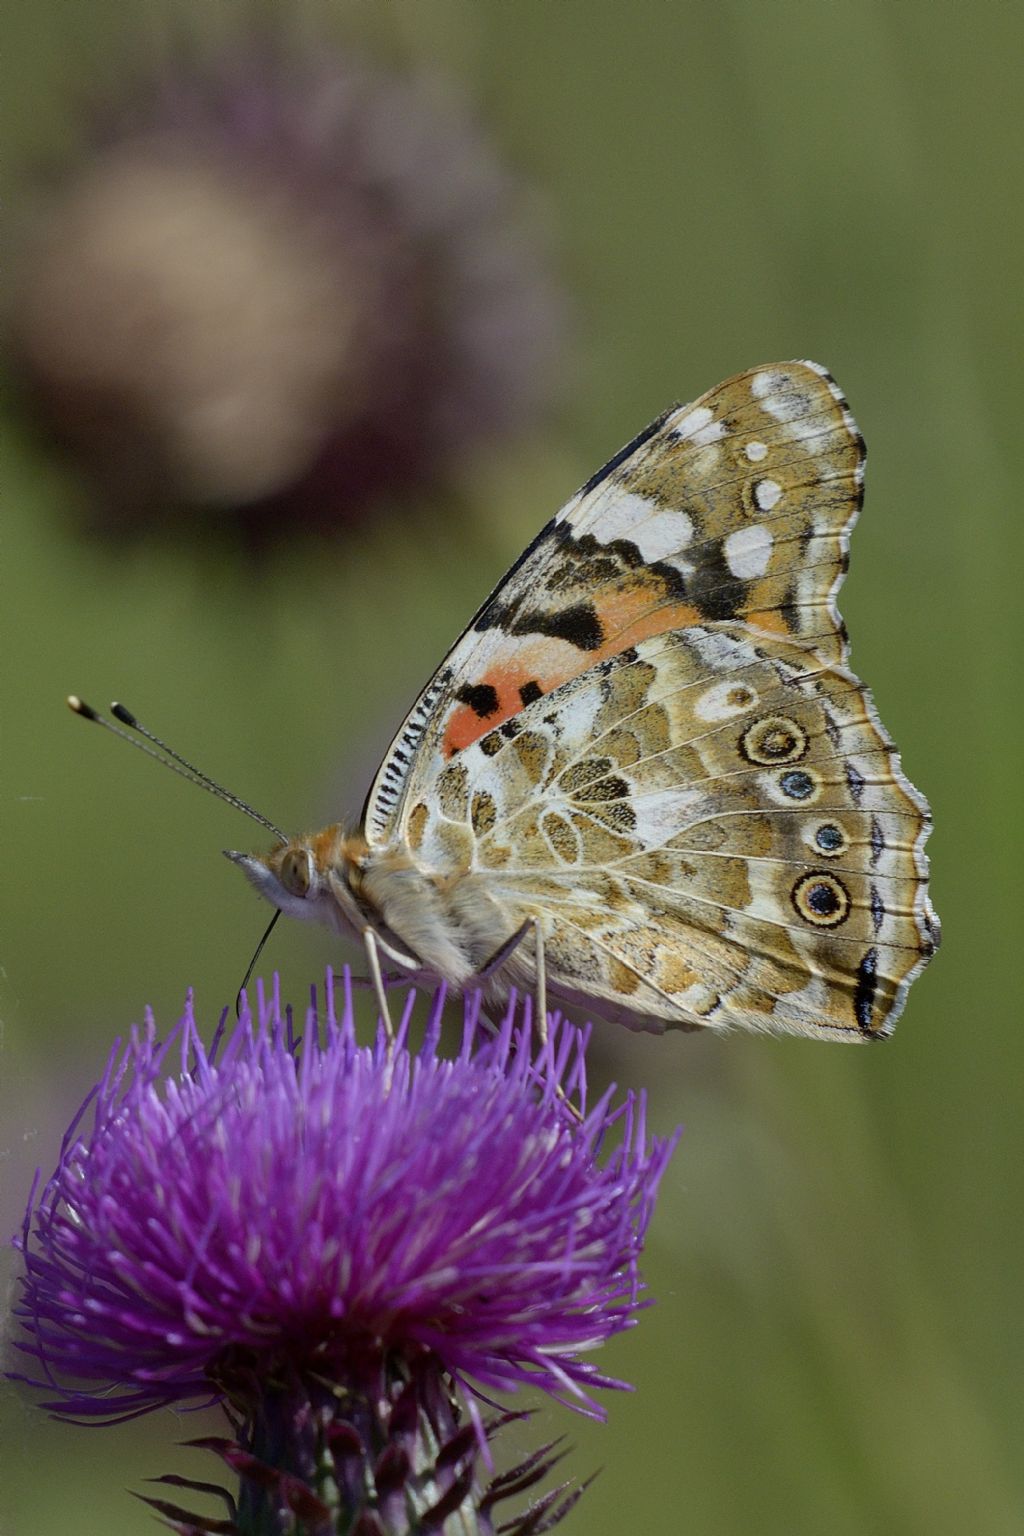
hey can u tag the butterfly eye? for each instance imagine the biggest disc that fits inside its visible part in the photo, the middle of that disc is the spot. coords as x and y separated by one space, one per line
294 872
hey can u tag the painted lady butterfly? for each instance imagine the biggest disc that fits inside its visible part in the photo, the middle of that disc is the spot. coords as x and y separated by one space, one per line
645 779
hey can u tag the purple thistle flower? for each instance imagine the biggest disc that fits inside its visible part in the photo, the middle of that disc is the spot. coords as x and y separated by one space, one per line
330 1239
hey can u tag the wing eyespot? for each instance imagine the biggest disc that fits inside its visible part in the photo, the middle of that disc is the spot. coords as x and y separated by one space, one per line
830 839
775 739
821 899
798 784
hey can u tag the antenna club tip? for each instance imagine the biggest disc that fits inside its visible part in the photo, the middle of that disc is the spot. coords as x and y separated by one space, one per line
80 707
122 713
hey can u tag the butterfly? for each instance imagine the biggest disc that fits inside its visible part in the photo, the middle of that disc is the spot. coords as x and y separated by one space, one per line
645 780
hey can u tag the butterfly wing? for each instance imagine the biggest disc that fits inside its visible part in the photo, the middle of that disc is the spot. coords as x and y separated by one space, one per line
712 830
737 507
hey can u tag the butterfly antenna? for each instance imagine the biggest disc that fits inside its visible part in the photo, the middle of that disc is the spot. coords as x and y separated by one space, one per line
252 963
170 759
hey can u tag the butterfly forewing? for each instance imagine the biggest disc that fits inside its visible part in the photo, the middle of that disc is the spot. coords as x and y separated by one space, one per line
737 506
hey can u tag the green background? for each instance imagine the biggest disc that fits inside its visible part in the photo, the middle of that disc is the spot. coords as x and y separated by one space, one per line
836 1255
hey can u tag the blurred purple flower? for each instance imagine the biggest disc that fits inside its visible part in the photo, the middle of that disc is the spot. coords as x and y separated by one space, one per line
331 1238
278 289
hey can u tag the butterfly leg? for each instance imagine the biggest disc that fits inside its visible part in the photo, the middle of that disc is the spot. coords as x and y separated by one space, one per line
499 957
375 946
371 944
540 982
540 1004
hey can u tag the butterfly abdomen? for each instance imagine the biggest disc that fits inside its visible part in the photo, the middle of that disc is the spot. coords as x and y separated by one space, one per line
449 920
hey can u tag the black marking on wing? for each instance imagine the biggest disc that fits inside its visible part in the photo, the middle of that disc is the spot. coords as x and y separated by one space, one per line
481 698
789 607
579 625
877 840
864 994
714 591
566 564
610 788
530 691
856 781
591 564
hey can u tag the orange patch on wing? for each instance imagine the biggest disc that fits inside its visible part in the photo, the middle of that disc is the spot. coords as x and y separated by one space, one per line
770 619
626 617
465 726
629 617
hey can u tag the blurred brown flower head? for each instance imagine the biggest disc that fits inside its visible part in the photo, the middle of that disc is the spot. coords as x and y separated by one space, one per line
275 290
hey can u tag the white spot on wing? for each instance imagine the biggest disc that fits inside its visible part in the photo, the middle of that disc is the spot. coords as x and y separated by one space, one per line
724 700
656 531
766 494
659 815
699 427
763 384
755 451
692 421
718 652
748 551
712 433
781 396
814 435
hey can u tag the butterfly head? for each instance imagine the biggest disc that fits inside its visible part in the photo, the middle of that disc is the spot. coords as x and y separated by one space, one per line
296 876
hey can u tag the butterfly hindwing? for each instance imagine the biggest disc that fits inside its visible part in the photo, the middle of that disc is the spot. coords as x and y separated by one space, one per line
710 834
736 507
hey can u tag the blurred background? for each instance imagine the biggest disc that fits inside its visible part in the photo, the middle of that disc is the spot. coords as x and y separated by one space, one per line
316 313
